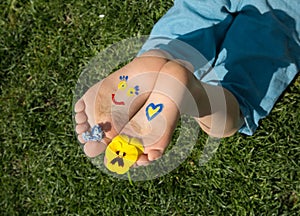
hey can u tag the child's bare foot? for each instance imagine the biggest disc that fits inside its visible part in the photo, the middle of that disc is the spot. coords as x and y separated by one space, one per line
147 106
176 92
156 120
113 101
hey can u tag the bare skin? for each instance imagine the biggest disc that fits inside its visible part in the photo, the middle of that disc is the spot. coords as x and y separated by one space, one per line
159 81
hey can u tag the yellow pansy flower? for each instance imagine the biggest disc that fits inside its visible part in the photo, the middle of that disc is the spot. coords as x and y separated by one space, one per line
122 153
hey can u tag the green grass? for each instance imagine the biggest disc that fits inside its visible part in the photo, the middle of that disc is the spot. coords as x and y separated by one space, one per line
44 46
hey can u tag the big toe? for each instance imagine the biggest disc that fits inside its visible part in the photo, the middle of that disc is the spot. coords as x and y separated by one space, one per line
153 125
94 148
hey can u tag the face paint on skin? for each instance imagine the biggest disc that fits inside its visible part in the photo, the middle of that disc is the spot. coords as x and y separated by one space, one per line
133 91
122 86
153 110
116 102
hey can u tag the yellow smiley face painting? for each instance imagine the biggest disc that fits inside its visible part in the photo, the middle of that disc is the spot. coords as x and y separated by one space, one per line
123 86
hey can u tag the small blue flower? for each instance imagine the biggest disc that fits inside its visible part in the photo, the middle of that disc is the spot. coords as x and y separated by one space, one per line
96 134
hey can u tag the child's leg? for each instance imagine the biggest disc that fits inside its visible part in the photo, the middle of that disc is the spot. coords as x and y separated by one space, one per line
192 31
222 117
259 58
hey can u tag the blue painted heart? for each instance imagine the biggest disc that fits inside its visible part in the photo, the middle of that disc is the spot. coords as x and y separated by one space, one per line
153 110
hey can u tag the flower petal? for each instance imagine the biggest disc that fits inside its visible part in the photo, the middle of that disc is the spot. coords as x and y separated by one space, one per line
136 142
131 154
121 154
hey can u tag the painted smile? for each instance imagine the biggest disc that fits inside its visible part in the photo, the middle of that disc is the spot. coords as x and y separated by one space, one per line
116 102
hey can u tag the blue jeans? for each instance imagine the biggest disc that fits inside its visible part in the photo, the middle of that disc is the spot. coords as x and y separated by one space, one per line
250 47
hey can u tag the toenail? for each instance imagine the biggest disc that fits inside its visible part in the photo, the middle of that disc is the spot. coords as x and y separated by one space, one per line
154 155
93 148
80 139
82 128
80 118
79 106
144 163
143 160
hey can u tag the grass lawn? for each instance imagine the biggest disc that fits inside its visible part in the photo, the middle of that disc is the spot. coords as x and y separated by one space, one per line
44 46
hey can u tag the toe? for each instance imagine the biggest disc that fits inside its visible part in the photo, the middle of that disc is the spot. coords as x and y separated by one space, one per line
80 128
142 160
154 154
80 117
79 106
153 125
80 139
93 148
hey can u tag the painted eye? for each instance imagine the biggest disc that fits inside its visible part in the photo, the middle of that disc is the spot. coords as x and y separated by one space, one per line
122 85
131 92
